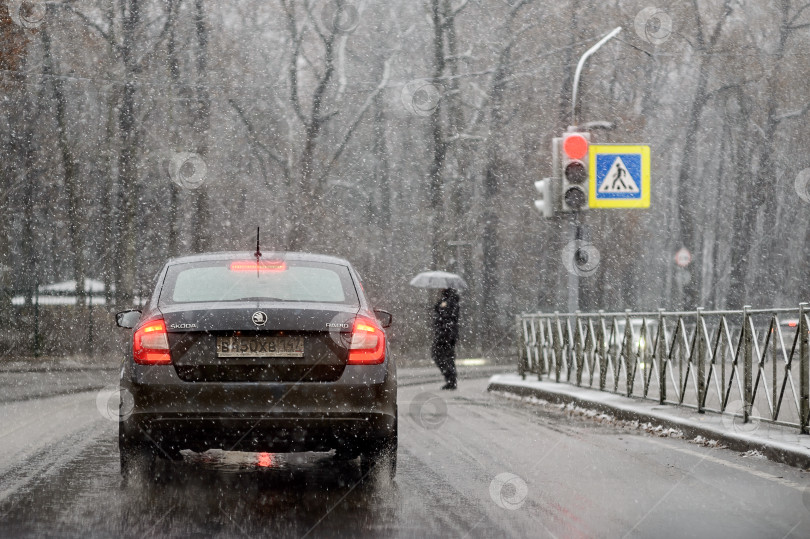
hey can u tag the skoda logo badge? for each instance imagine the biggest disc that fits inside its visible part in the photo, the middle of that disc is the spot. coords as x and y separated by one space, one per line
259 318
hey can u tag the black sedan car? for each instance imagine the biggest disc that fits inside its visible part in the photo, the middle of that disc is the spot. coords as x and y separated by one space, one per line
268 353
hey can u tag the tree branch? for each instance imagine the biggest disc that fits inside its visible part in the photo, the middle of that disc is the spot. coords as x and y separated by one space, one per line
457 10
315 25
255 139
160 38
350 131
793 114
106 35
292 70
798 14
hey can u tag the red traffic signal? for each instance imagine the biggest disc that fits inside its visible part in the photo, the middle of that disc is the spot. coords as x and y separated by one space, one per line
575 146
574 170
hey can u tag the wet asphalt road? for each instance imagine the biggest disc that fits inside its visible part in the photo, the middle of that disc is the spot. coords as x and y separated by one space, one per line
471 464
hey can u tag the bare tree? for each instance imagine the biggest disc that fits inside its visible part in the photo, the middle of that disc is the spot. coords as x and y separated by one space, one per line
311 96
705 43
73 189
764 198
493 169
201 123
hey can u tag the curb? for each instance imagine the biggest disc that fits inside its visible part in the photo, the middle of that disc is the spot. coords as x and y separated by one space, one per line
59 368
57 393
775 451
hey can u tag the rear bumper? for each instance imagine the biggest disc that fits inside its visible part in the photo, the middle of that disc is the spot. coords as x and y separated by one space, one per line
268 432
258 416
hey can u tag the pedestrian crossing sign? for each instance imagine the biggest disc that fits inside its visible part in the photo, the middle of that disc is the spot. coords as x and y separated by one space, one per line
619 176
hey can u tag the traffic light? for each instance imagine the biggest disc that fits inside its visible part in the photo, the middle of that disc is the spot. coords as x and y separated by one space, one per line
574 172
545 204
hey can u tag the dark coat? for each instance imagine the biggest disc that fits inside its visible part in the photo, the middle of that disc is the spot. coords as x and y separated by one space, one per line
445 319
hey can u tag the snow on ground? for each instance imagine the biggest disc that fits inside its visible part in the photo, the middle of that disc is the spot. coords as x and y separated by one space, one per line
597 416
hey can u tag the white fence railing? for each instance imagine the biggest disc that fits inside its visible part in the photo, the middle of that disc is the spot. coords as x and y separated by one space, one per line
752 363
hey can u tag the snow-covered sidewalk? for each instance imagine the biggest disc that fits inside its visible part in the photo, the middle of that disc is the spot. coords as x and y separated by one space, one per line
778 443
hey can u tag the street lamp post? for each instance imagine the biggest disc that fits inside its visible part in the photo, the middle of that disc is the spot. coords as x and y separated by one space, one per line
613 33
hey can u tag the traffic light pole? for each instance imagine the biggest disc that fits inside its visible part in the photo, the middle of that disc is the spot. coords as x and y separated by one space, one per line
579 256
573 275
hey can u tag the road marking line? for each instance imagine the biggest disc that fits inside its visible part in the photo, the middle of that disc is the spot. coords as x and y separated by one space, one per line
791 530
738 467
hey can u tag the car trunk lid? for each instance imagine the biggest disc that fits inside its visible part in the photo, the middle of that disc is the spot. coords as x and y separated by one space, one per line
259 341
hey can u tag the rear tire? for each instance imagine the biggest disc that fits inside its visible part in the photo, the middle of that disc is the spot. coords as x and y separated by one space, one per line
144 463
381 457
138 462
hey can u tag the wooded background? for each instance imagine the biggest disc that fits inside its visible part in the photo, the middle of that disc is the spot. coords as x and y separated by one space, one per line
406 136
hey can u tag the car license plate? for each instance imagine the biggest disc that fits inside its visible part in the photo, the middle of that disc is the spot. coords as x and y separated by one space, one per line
260 346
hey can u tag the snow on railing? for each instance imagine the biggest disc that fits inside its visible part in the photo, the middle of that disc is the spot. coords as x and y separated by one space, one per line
751 363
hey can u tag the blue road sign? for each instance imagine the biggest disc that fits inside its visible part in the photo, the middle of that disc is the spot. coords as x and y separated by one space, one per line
620 176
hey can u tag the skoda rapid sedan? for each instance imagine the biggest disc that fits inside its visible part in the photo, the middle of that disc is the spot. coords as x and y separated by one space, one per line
273 353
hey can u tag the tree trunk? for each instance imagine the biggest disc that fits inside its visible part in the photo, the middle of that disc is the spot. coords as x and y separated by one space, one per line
31 190
438 145
108 211
127 159
493 169
202 121
764 198
73 187
689 236
687 200
383 180
174 75
744 218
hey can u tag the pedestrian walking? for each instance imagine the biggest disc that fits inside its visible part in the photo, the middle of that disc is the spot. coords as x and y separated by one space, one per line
445 327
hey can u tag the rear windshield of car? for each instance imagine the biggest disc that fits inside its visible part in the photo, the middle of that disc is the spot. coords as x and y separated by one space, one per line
293 281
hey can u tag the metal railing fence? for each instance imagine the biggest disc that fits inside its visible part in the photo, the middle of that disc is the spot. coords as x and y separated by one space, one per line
751 363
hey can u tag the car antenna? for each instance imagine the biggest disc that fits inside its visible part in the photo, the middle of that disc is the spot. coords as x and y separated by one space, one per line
258 253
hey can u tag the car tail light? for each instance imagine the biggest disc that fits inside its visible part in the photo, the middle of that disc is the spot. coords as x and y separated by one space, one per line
258 265
150 345
368 343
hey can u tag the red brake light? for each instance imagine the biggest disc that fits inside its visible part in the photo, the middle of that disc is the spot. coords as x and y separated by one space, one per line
150 346
264 460
258 265
368 343
792 324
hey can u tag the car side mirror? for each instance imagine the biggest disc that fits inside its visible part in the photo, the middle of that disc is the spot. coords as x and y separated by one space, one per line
384 317
128 319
